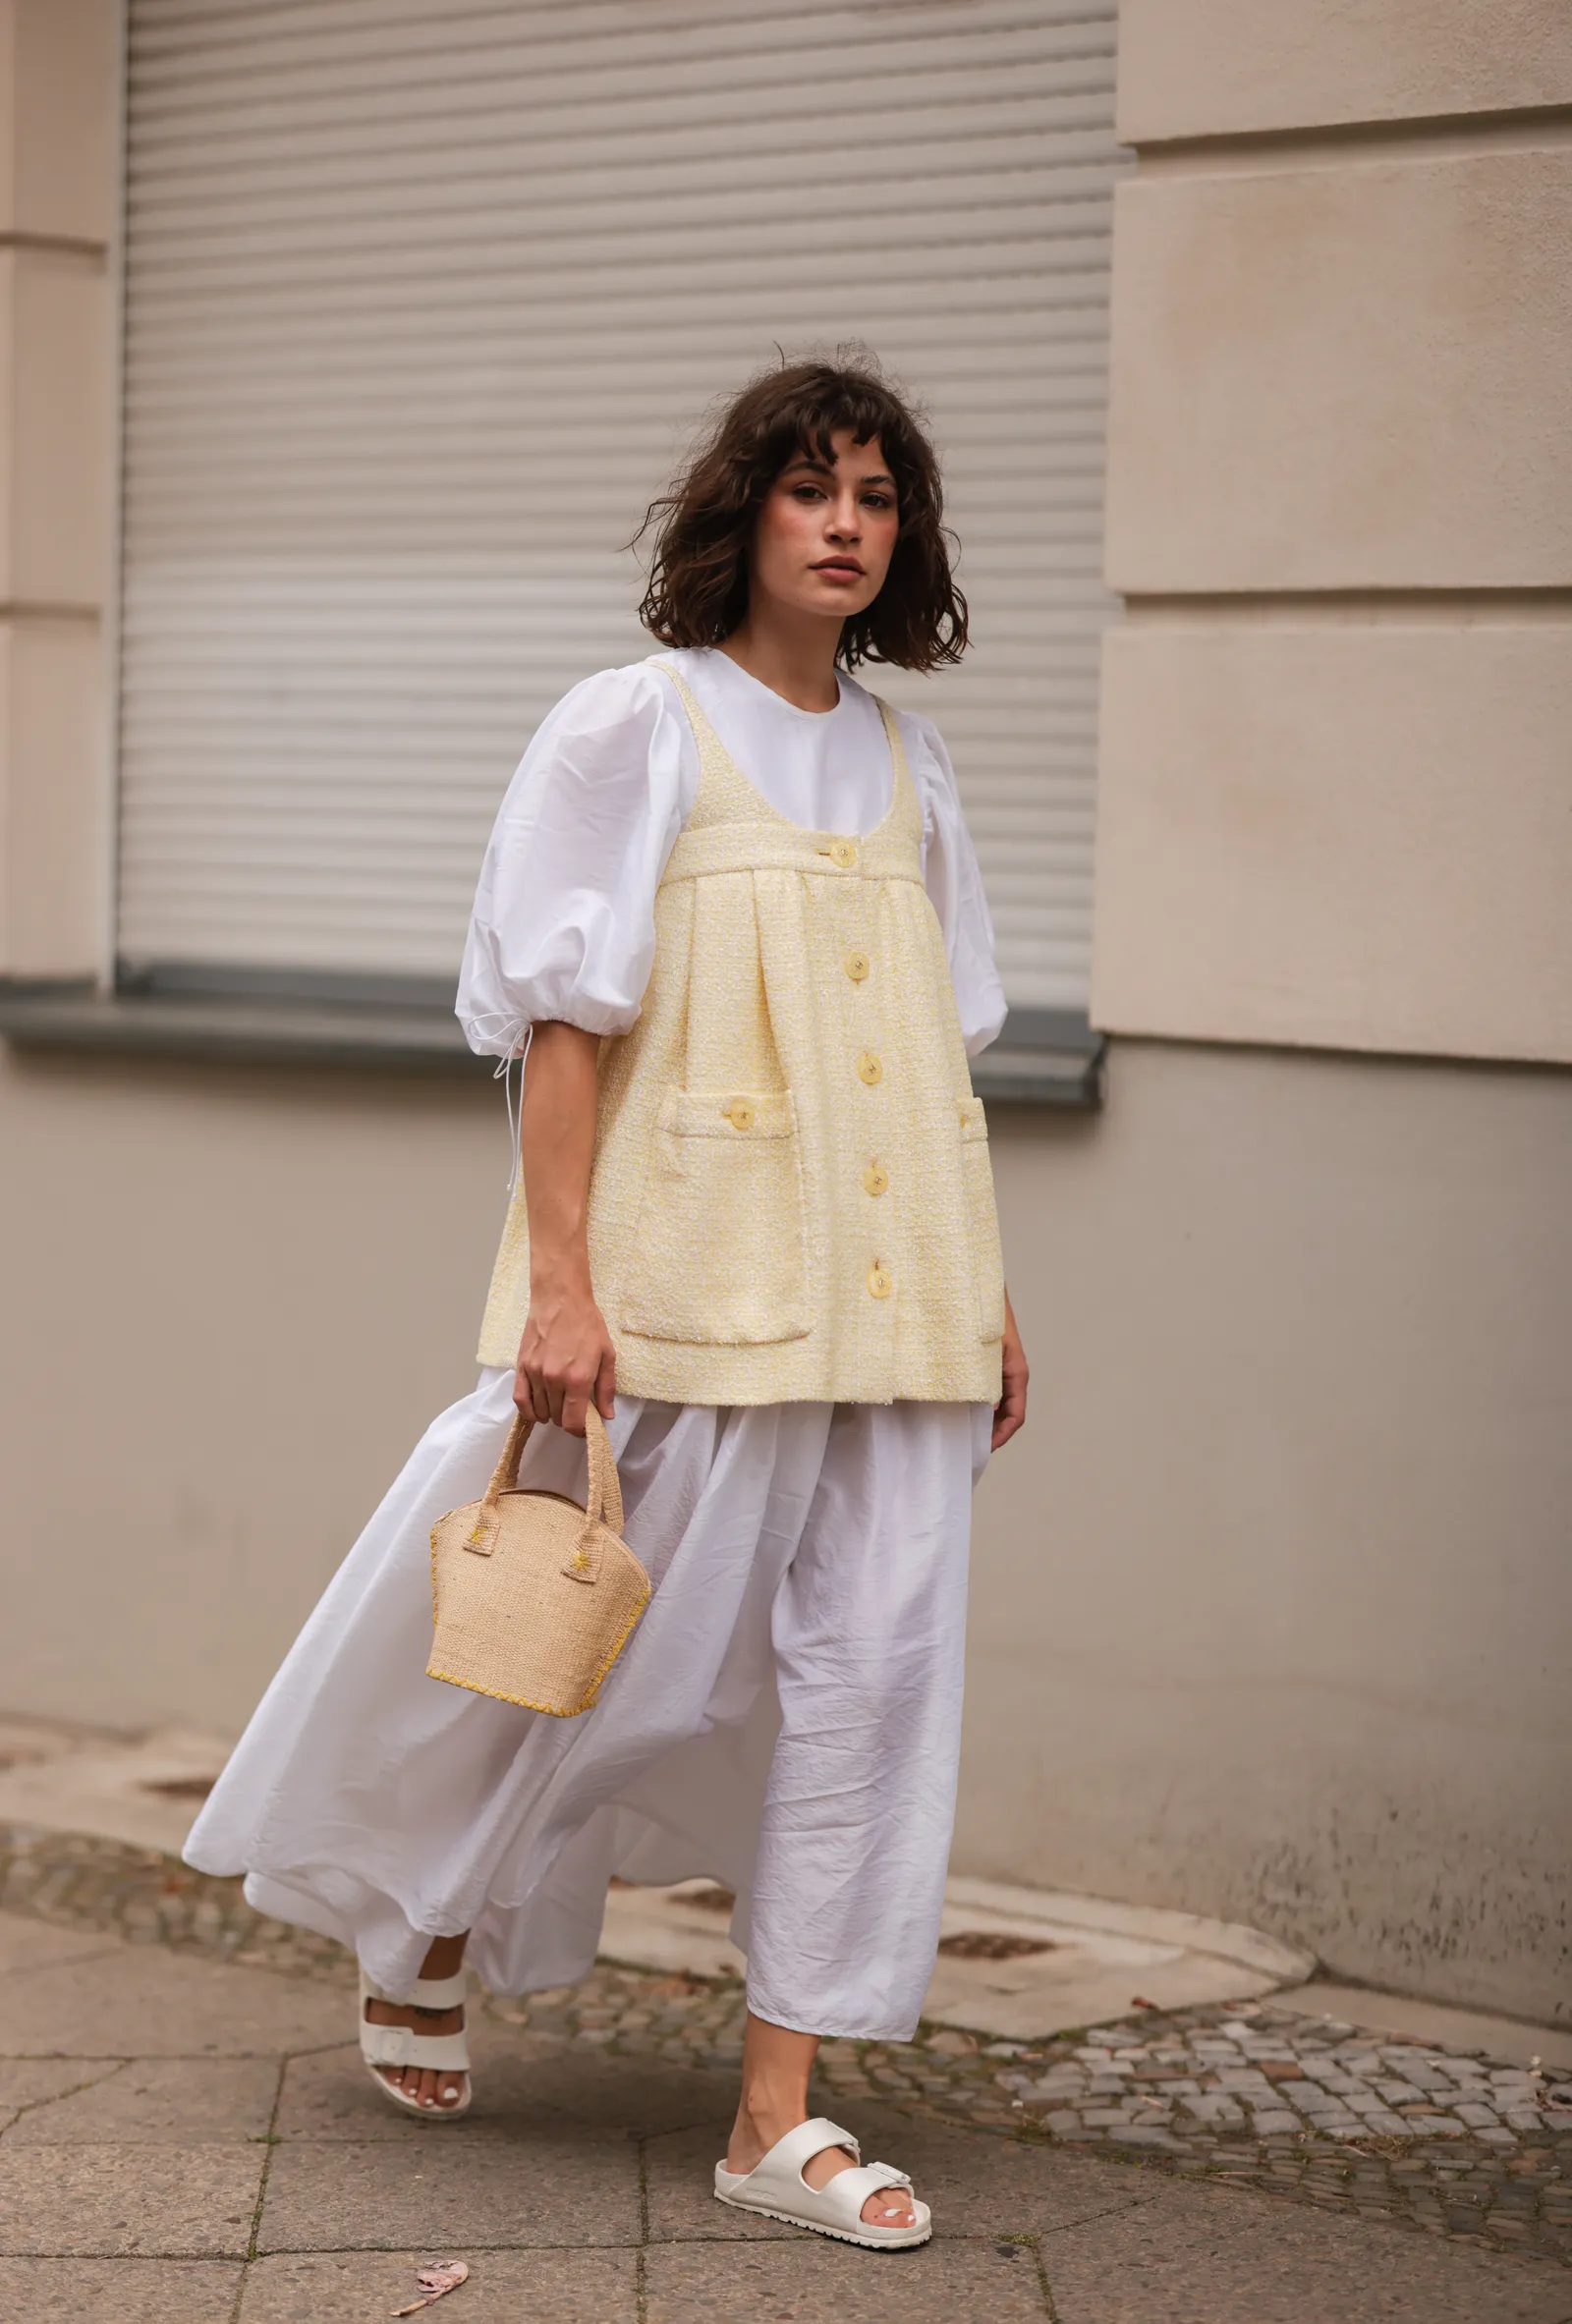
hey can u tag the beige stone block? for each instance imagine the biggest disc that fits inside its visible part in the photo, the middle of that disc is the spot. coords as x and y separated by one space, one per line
56 429
145 2002
196 2202
59 104
54 803
1348 835
1238 2257
131 2290
1210 68
1343 377
504 2287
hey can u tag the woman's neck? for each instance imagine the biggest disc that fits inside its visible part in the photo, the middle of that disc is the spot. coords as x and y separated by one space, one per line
795 657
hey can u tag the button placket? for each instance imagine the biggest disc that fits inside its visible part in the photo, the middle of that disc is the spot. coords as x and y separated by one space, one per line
856 964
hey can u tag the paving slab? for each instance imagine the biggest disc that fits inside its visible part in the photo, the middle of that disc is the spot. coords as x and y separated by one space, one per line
522 2082
37 1943
143 1789
521 2077
680 2196
504 2288
811 2280
568 2186
195 2202
160 2102
138 2000
1213 2255
977 2184
30 2082
124 2290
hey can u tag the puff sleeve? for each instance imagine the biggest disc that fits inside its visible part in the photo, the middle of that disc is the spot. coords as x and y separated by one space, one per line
563 925
955 888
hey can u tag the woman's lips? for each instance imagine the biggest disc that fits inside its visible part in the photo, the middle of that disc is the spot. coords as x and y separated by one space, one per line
839 569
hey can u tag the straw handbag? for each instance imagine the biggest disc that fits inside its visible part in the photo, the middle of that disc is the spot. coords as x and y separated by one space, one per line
535 1597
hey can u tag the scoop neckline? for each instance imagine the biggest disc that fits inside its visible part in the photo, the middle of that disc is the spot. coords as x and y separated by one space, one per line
797 711
887 727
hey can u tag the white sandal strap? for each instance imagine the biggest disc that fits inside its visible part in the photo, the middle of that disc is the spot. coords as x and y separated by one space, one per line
401 2045
426 1993
786 2159
440 1993
849 2191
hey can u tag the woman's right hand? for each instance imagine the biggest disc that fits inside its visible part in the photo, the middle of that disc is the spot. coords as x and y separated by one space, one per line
566 1359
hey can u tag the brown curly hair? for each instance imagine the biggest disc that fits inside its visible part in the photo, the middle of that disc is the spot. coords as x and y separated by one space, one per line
697 590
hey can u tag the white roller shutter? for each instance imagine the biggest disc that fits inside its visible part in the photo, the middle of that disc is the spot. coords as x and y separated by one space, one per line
423 302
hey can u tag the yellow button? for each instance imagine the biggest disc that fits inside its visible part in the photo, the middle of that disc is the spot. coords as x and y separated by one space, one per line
843 852
858 965
880 1281
740 1114
875 1177
869 1069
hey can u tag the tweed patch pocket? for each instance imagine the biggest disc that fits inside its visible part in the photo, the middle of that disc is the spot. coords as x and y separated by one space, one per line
981 1220
720 1256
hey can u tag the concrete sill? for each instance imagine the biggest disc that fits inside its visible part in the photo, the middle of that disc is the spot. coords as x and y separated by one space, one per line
1044 1057
225 1028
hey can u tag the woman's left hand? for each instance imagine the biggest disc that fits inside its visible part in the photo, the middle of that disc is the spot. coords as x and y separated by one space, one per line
1010 1411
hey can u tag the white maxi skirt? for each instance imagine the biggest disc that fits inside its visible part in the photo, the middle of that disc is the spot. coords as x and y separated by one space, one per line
786 1717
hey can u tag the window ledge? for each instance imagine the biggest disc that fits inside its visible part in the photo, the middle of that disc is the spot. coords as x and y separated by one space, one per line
1011 1074
224 1029
1042 1058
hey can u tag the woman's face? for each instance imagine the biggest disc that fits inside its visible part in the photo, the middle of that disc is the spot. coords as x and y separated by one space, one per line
826 534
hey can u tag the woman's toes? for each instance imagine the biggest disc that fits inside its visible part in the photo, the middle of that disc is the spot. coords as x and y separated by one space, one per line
880 2211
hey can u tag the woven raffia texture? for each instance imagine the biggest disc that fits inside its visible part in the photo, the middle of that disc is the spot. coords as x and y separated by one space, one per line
792 1195
534 1597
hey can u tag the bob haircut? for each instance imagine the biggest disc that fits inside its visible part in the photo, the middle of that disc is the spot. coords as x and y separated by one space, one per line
698 593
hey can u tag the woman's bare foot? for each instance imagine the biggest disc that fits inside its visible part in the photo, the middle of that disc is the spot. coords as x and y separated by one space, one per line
774 2101
438 2087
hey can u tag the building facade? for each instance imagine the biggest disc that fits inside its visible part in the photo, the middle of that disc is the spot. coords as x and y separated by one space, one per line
345 347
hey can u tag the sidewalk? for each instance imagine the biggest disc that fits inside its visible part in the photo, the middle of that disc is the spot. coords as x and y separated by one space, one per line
186 2135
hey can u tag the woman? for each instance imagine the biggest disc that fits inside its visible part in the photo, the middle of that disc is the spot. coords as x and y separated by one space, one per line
731 916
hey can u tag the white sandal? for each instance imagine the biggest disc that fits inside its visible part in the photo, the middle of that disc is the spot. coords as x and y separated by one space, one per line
402 2045
776 2188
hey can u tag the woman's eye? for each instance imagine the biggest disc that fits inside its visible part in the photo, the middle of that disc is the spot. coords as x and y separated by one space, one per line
807 492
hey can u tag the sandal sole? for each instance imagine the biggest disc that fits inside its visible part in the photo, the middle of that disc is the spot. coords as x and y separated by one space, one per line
408 2105
892 2240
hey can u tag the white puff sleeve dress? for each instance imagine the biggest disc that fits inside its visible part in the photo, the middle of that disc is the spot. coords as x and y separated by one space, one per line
787 1715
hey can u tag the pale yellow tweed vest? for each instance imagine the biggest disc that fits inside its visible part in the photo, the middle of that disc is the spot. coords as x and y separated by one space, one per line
791 1196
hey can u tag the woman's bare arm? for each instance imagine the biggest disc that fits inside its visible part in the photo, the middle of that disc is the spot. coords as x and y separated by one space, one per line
565 1358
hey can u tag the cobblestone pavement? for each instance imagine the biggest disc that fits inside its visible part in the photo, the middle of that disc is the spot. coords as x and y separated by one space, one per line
1254 2096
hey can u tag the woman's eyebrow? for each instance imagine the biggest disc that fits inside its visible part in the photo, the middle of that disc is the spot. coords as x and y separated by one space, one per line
824 468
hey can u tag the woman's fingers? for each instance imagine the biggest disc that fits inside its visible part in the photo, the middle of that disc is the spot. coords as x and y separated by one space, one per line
529 1393
1010 1411
564 1363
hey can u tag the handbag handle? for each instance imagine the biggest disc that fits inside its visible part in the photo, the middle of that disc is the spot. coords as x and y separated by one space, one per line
602 1507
